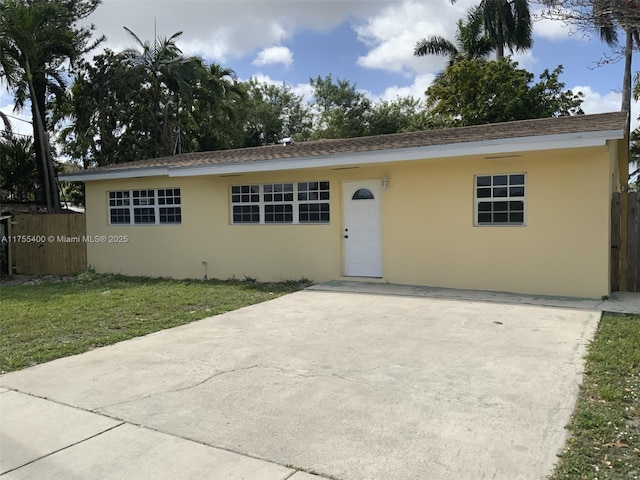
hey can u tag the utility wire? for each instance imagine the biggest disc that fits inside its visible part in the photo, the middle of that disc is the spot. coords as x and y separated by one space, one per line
18 118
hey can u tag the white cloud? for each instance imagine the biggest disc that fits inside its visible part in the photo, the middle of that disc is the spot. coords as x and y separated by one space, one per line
525 60
261 78
595 102
223 28
274 55
212 46
303 90
551 29
416 89
392 34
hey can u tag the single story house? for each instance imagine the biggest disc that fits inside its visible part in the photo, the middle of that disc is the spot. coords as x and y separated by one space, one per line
520 206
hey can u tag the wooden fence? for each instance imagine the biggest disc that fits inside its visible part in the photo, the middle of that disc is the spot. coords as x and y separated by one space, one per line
49 244
625 271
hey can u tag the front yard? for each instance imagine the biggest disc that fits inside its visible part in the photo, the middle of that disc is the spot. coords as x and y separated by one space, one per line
43 321
52 319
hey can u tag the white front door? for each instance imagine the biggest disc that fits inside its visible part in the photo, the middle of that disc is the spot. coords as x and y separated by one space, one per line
362 229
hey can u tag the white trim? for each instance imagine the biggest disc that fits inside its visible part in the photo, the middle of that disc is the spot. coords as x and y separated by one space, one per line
155 206
114 174
485 147
362 230
492 199
295 203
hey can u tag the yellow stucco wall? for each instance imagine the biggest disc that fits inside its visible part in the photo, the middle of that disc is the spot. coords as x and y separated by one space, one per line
429 237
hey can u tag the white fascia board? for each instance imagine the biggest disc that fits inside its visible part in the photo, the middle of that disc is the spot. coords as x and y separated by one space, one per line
114 174
487 147
528 144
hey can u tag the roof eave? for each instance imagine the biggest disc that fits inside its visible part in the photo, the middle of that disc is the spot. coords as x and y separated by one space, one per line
485 147
88 175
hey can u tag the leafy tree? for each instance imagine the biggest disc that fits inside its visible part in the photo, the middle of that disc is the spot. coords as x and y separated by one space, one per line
109 114
72 192
18 167
549 99
214 121
473 92
404 114
471 41
37 39
274 112
149 103
343 112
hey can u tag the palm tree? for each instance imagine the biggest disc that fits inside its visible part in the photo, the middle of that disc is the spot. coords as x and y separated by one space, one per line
18 167
608 20
171 79
20 49
606 17
7 124
37 38
471 41
508 24
216 110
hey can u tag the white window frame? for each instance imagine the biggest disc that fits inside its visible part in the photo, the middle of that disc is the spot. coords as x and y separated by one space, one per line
494 199
237 198
127 199
295 201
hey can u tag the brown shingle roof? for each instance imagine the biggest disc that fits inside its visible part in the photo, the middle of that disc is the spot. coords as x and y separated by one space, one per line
496 131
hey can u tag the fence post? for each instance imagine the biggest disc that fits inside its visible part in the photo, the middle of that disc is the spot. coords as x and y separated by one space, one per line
615 242
633 242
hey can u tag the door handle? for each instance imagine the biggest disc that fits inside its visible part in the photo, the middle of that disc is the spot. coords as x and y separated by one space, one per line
346 236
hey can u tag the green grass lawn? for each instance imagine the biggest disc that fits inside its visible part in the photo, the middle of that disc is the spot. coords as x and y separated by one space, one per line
49 320
42 322
604 433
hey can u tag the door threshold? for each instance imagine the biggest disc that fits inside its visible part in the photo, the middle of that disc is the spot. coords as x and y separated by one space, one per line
355 278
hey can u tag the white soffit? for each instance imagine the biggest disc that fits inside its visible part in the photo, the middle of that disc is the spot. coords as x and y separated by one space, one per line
486 147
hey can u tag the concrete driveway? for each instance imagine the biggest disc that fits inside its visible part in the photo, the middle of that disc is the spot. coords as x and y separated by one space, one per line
348 386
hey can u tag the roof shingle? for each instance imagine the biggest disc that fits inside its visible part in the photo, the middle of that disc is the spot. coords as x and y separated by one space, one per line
495 131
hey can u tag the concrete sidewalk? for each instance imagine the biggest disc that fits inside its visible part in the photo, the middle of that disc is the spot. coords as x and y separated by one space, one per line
42 439
345 385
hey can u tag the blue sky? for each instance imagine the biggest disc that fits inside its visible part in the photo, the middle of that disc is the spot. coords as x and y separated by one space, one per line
369 42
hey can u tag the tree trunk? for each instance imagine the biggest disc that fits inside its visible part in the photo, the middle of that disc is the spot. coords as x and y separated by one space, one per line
40 85
500 42
47 173
40 151
626 82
